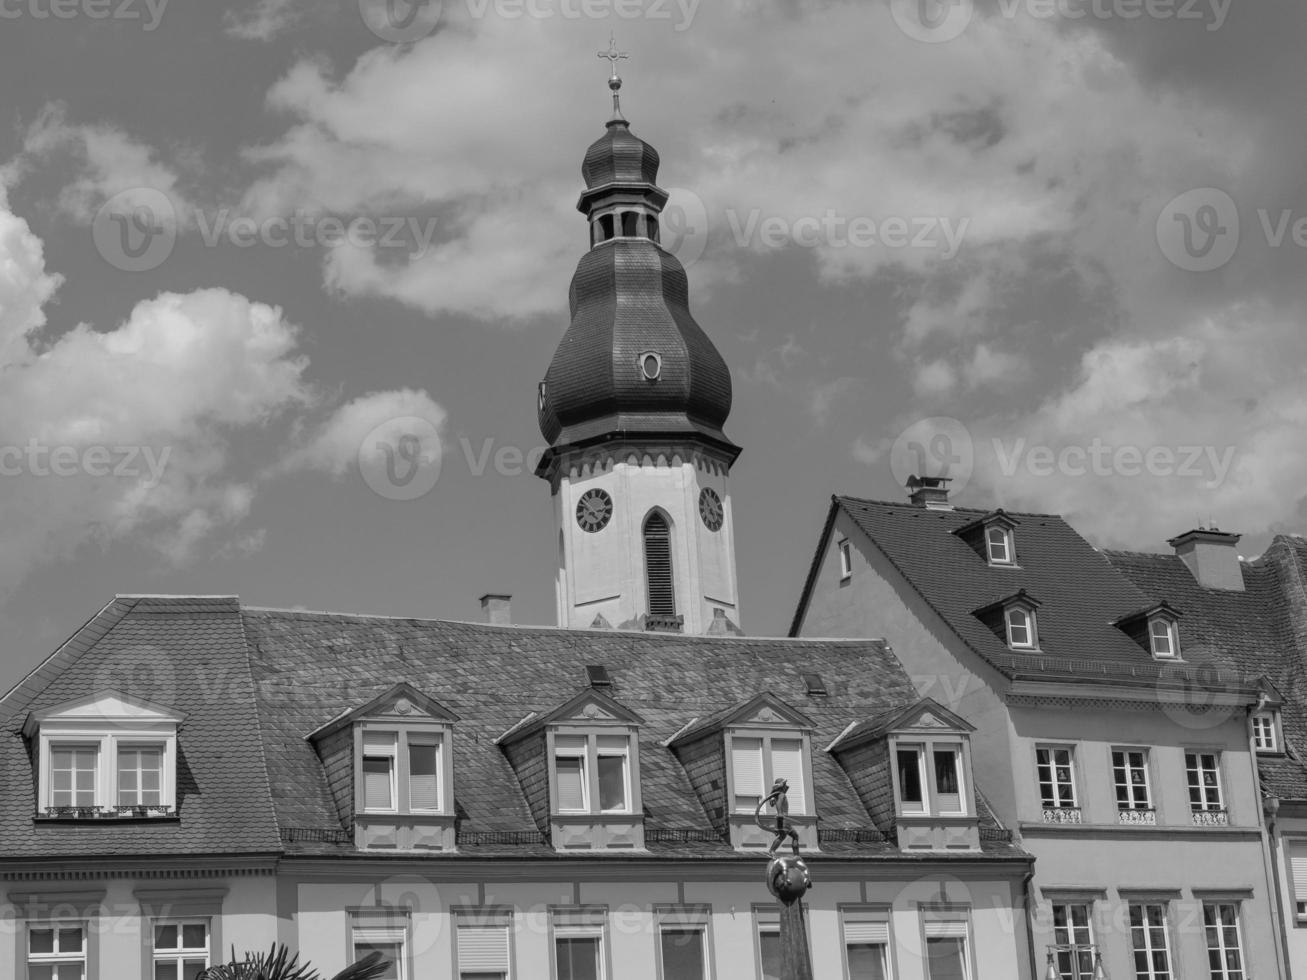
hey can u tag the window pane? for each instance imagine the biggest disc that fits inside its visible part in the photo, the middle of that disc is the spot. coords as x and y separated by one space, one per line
746 770
946 958
571 784
377 782
191 969
612 783
946 772
769 945
866 961
787 763
391 952
577 957
40 940
70 940
165 936
165 971
910 776
682 954
422 789
195 935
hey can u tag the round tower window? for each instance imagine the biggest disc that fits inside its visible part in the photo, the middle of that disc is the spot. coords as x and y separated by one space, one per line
651 366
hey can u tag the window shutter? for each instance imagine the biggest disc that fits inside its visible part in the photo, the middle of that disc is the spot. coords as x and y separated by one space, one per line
658 566
1298 871
746 766
483 949
866 932
376 785
571 783
787 764
950 929
423 766
378 743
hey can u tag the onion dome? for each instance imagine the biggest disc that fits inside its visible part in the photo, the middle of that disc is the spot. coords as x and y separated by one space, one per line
633 365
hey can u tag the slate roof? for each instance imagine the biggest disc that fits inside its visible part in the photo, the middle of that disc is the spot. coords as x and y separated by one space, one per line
1253 628
1079 591
184 653
253 683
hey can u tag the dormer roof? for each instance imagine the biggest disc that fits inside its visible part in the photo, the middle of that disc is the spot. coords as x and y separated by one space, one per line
110 708
589 706
402 701
926 715
764 710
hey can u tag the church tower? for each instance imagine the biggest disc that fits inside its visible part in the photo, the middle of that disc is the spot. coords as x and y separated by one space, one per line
632 408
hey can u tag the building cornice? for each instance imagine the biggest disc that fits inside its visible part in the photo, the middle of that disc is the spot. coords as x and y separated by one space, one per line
1116 832
165 867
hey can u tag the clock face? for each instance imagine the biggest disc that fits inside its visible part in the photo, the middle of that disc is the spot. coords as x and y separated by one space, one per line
710 509
594 510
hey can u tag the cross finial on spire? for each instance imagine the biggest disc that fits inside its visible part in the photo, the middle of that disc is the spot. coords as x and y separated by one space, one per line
613 56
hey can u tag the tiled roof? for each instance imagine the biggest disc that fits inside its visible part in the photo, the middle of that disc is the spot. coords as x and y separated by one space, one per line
188 654
309 667
253 683
1253 629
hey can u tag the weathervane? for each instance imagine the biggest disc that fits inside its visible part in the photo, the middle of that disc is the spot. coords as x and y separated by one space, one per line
788 879
613 56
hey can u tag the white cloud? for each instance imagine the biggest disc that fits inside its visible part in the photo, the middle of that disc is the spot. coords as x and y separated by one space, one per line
334 446
262 22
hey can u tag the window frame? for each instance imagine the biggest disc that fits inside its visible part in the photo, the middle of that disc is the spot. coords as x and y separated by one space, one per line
1172 632
1217 759
1069 936
391 755
580 922
684 918
57 957
1058 803
1272 718
382 927
105 795
182 953
483 917
945 919
589 753
925 747
767 737
1031 628
404 734
859 914
845 549
1167 946
1225 973
1150 803
1009 558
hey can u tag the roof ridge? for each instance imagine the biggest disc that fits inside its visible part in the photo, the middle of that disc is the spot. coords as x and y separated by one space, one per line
952 509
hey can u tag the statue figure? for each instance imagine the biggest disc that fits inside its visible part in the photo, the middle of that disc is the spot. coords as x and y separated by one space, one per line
788 879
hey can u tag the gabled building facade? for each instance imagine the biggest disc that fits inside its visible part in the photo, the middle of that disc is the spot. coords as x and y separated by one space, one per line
1114 743
485 801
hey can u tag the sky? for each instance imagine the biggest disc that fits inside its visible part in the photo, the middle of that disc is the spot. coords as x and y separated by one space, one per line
1052 249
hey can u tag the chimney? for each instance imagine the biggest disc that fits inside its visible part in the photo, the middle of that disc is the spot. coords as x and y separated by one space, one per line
1210 557
930 492
497 609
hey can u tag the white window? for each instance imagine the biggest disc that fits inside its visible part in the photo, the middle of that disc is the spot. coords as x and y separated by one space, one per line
579 953
1148 937
181 948
1073 929
866 946
74 774
684 952
1204 775
105 755
379 780
593 773
140 775
769 949
56 951
1224 948
1264 739
1296 857
390 942
930 780
846 559
1020 628
483 951
998 543
757 762
1162 636
424 772
1056 771
947 950
1130 776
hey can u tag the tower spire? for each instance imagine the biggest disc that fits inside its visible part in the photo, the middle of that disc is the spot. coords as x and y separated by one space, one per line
613 56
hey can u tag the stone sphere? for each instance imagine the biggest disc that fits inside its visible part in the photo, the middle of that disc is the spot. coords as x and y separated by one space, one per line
788 878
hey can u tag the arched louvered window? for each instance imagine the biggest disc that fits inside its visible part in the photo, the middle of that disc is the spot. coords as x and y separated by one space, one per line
630 224
653 229
605 227
658 565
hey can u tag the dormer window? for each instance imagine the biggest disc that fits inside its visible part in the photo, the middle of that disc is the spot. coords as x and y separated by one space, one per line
390 765
1013 620
1155 628
1266 732
846 559
106 756
736 755
992 537
1162 637
588 753
930 779
998 540
1021 628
